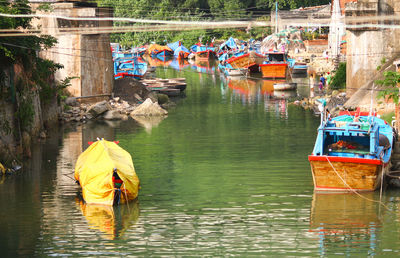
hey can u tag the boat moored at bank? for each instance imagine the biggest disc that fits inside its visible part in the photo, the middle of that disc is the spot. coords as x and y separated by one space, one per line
352 152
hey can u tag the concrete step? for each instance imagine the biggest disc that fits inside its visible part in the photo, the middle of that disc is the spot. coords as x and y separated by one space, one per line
396 148
395 157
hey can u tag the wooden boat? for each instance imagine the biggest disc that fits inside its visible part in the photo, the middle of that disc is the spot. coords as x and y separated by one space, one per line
169 91
352 152
275 66
236 72
203 52
205 55
106 174
250 61
283 86
299 68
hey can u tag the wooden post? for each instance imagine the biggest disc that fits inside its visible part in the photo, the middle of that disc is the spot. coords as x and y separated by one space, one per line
397 115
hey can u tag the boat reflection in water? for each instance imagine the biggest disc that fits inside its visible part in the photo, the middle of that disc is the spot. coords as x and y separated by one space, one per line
345 221
203 66
112 221
243 88
155 62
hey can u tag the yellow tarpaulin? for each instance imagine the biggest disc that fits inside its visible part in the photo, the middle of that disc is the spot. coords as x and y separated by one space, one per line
156 47
94 171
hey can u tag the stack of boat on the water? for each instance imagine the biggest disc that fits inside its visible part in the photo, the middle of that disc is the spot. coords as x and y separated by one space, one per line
170 87
128 63
238 58
352 152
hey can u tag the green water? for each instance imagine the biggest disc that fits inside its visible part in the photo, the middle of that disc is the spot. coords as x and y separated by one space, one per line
225 174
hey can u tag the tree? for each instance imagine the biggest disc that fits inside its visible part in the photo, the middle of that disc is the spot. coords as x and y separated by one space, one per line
389 84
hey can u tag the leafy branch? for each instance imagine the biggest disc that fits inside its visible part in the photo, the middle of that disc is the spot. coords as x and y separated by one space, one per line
389 84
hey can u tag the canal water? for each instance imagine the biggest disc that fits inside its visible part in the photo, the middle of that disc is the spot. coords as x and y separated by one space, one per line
225 174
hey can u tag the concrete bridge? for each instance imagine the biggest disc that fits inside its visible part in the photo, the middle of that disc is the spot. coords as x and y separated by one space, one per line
84 56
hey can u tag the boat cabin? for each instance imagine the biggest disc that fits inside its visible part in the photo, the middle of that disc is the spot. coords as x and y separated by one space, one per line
355 137
276 57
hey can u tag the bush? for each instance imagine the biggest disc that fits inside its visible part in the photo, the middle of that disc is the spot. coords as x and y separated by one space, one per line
339 80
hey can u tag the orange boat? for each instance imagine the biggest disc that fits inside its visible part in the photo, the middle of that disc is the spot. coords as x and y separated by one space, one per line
251 61
205 55
275 66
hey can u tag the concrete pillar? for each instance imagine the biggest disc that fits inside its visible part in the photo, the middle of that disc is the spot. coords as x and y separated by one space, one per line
397 114
84 55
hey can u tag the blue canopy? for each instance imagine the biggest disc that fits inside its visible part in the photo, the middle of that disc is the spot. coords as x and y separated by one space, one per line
174 45
230 43
197 48
180 49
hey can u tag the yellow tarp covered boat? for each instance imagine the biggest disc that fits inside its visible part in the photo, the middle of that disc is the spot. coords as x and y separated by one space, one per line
106 174
157 48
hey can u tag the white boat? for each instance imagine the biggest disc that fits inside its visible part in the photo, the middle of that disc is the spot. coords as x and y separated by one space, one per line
236 72
285 86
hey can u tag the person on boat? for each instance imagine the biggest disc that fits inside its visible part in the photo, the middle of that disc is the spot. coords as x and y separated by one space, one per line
117 181
328 114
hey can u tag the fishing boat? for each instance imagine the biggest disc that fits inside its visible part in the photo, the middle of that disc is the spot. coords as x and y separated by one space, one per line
180 51
134 67
299 68
203 52
275 65
250 60
352 152
160 52
106 174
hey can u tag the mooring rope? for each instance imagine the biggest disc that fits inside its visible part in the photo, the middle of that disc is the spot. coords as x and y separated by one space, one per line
126 195
354 191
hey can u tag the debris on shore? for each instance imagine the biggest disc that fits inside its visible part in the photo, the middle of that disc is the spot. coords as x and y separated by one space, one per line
129 95
334 102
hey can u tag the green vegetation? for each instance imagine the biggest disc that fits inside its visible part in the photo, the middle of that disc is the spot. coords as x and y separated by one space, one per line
339 79
389 86
388 117
197 10
35 74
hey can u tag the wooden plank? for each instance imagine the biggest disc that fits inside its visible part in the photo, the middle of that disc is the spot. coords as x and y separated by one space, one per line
354 175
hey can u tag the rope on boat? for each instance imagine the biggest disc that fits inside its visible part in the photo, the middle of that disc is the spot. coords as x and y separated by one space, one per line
126 195
354 191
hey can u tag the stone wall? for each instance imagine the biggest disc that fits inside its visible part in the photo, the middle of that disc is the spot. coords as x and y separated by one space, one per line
367 46
15 142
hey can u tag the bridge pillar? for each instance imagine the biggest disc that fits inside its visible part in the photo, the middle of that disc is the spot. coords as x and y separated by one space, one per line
82 49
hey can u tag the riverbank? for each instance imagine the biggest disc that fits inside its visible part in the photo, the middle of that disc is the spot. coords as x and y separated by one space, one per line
336 102
129 96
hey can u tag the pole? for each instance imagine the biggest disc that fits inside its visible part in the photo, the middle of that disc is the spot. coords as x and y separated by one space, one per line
276 16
